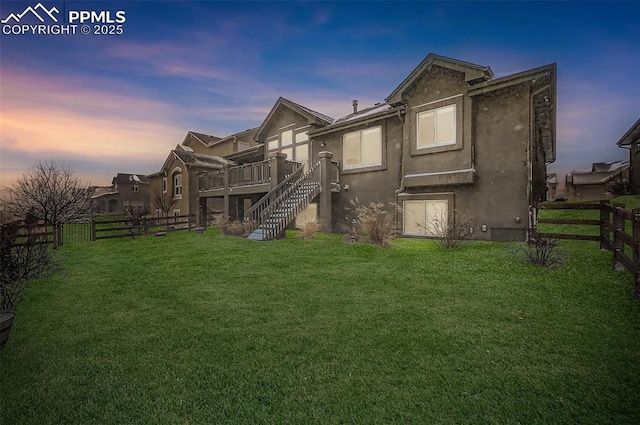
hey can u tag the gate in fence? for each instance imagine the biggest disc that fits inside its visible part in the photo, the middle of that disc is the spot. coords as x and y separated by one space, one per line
78 232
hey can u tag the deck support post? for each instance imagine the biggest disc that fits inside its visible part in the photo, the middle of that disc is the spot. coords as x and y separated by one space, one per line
324 207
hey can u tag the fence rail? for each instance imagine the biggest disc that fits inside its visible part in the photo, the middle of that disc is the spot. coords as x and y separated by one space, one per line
619 232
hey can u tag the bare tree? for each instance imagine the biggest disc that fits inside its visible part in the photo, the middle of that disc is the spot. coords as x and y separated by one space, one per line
163 201
52 194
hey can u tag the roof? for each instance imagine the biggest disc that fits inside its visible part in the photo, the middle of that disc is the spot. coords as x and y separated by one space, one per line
206 139
247 155
631 136
200 160
312 116
473 73
124 178
373 113
248 132
100 191
600 172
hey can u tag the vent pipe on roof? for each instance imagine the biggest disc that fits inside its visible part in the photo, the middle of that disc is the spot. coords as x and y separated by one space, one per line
355 106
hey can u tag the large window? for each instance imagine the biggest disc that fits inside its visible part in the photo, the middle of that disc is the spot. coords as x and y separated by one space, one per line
425 217
293 142
177 186
362 148
436 127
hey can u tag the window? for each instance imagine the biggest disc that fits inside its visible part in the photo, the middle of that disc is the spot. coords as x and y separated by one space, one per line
286 138
436 127
362 148
176 216
302 137
177 186
289 153
164 185
272 144
425 217
302 155
135 188
243 145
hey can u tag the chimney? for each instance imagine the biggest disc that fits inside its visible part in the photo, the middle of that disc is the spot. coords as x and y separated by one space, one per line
355 106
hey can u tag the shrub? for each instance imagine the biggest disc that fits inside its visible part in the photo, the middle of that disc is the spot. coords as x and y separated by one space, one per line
542 252
309 230
448 235
231 227
375 221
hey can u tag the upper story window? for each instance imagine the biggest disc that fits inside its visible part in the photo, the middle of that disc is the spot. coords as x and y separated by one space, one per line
286 138
135 188
243 145
293 142
436 127
177 186
362 148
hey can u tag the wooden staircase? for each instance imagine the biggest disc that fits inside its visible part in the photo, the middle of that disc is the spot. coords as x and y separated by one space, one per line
271 215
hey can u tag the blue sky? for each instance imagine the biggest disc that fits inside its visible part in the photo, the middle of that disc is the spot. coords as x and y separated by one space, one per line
104 104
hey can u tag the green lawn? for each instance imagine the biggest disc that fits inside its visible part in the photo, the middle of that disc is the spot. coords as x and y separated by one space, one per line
202 329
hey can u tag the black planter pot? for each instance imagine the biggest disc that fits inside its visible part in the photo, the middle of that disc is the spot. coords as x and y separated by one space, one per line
6 321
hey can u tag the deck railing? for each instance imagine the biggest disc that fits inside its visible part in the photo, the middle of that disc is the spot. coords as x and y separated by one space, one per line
211 180
250 174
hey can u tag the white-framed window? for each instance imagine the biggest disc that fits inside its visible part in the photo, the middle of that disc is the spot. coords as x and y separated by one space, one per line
177 186
272 144
425 217
135 188
243 145
286 138
288 152
164 185
302 154
302 137
436 127
362 148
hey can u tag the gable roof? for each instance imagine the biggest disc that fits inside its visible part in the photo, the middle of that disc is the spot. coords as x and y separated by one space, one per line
472 73
205 139
250 133
125 178
631 136
373 113
192 159
313 117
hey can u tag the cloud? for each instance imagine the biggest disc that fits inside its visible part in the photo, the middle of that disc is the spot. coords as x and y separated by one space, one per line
51 118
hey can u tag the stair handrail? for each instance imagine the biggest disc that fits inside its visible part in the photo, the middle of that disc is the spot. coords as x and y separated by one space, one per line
309 177
252 216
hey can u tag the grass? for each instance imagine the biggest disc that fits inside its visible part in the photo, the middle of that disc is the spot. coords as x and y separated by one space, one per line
212 329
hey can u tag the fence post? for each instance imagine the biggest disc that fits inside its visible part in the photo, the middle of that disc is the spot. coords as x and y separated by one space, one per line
618 243
605 226
92 236
636 251
144 226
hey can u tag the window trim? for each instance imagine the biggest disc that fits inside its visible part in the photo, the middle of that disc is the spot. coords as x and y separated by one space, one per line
177 186
458 102
165 185
366 167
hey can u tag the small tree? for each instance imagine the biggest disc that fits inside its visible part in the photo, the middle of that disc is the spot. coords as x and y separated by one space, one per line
164 202
52 194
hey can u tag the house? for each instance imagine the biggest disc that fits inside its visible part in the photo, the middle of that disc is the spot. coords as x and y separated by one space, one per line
127 191
174 189
552 186
603 180
451 142
631 141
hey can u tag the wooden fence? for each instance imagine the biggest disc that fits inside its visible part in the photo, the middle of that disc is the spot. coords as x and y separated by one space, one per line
619 232
126 227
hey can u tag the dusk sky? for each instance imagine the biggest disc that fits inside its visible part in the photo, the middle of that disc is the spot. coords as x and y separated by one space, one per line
104 104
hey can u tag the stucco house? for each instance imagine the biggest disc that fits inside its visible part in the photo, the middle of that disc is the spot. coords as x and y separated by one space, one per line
176 184
603 180
631 141
450 141
126 191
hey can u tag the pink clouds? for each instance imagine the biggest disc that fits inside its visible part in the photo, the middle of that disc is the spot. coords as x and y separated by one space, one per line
63 118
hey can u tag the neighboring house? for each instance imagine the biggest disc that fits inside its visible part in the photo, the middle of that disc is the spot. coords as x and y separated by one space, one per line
603 180
631 141
552 186
126 191
176 184
450 143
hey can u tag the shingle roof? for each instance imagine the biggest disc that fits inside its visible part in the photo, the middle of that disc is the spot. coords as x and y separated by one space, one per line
192 158
123 178
371 110
206 138
317 114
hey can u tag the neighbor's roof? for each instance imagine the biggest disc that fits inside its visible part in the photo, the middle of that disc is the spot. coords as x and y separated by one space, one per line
100 191
600 173
124 178
631 136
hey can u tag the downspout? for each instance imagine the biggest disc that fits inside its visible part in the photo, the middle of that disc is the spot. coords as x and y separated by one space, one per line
401 188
